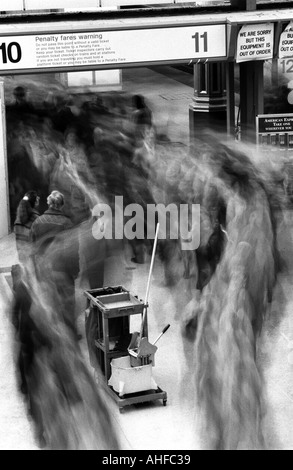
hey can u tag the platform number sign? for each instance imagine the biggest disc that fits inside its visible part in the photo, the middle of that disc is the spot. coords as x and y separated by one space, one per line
286 65
10 52
200 42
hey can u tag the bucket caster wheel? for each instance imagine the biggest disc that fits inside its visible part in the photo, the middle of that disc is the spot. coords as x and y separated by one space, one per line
165 402
121 409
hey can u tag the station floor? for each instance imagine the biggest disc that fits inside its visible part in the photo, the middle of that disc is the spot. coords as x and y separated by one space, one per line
152 426
146 426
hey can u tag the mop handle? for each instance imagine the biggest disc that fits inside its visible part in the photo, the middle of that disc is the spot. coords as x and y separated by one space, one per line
161 334
149 279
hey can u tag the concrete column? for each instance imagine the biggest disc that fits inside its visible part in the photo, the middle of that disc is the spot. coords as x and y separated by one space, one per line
4 187
251 86
230 99
251 98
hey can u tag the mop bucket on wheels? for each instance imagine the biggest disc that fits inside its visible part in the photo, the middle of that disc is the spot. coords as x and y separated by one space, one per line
129 359
126 380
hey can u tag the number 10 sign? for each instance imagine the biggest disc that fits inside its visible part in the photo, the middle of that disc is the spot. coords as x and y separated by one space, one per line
112 48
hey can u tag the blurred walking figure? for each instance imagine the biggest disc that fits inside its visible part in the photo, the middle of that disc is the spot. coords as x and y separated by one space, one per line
142 116
56 256
71 175
69 410
26 214
21 103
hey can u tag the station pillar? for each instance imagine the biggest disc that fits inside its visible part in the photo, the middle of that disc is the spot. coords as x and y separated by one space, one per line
208 110
251 98
251 86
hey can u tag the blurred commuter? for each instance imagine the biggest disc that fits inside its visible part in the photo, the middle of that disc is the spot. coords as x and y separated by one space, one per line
61 113
30 341
92 254
23 174
68 409
56 255
21 103
71 176
142 115
27 213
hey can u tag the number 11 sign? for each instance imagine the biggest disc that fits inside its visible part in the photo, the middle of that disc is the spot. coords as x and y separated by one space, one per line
204 37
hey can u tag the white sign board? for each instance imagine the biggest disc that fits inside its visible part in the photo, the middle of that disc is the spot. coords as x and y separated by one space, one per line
59 4
11 5
286 42
255 42
4 208
111 48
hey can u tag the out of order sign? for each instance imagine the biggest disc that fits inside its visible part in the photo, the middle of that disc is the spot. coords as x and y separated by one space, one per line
255 42
110 48
286 42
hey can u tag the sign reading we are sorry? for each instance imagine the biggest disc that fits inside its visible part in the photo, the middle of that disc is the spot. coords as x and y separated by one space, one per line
255 42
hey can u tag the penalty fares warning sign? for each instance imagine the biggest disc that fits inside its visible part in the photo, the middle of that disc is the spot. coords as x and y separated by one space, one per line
112 48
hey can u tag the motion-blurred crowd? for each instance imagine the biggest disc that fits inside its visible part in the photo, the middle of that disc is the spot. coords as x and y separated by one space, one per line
65 158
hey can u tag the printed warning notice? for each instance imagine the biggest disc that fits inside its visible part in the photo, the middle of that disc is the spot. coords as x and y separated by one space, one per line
286 42
74 50
255 42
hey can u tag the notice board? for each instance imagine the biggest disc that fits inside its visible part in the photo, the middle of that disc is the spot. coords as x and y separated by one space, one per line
275 130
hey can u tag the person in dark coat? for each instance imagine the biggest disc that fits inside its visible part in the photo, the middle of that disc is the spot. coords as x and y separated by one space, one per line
30 341
142 114
52 222
21 105
56 256
26 214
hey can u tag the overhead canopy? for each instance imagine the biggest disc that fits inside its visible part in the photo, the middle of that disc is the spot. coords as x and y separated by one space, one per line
83 42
